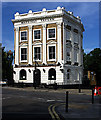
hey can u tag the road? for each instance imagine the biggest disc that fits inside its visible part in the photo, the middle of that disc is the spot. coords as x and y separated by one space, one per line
36 105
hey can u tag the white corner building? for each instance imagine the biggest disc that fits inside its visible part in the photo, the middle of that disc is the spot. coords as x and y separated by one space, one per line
48 47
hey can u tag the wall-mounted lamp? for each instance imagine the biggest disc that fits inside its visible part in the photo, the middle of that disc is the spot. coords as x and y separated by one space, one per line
44 70
43 63
61 70
29 70
29 65
16 65
14 72
58 64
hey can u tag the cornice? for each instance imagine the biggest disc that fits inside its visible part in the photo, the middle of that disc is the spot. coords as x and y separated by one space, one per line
36 18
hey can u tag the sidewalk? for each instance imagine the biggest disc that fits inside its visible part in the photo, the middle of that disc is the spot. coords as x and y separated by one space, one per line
71 91
81 111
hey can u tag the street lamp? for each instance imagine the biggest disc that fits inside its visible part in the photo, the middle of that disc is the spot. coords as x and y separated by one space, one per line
79 84
34 81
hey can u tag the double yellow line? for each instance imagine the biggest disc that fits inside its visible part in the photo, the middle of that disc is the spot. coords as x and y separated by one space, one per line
52 111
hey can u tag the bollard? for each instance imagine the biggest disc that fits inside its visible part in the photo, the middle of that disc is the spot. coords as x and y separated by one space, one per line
79 88
92 95
66 101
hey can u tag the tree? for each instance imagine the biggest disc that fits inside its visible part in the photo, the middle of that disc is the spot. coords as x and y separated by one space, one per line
7 68
92 62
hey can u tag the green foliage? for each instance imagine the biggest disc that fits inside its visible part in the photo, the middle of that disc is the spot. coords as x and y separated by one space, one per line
92 62
7 68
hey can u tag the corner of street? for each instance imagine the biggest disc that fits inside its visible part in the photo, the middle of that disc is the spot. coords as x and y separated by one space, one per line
49 104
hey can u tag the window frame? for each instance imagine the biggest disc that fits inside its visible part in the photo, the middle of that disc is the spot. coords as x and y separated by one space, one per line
40 53
68 31
20 36
48 33
77 38
20 54
76 56
48 52
68 57
33 35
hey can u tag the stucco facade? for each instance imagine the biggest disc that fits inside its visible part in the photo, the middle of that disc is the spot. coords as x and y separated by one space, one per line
49 41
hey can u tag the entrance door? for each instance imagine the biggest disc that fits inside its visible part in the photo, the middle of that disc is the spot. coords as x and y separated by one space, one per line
37 77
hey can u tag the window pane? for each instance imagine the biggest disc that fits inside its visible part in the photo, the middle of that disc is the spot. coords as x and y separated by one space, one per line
37 54
25 57
50 56
22 57
53 48
52 52
37 34
51 33
53 55
23 53
50 49
24 35
67 75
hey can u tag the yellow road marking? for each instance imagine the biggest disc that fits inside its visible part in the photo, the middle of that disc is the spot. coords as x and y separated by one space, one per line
50 112
57 116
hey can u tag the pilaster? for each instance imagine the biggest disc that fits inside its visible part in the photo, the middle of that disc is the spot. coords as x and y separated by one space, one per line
17 46
44 43
72 38
59 42
64 42
30 45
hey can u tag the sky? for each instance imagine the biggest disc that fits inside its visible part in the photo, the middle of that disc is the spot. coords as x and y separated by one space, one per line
88 11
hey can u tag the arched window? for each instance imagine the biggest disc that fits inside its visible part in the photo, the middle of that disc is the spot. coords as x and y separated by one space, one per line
52 74
22 74
68 74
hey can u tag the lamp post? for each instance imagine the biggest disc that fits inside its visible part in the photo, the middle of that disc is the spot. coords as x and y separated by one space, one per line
10 59
79 84
34 81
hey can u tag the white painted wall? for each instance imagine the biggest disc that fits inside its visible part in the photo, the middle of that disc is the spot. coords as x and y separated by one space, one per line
61 78
44 76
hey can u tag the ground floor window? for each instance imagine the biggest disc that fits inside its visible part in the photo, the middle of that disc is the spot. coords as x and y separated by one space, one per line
22 74
68 74
52 74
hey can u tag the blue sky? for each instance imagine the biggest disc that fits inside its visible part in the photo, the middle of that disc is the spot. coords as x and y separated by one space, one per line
88 11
